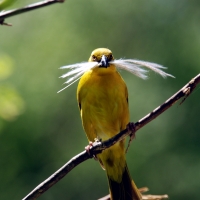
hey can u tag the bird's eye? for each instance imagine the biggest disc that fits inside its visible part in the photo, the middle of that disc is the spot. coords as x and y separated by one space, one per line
94 58
110 57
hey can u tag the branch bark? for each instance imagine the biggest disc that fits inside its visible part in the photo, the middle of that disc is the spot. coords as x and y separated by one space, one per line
10 13
99 146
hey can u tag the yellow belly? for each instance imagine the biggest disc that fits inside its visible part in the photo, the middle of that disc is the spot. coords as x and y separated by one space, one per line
104 113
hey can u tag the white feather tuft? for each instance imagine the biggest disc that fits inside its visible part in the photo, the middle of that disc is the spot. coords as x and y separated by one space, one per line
130 65
77 70
135 67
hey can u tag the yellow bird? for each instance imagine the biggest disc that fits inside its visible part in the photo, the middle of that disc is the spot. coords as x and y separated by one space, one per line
103 102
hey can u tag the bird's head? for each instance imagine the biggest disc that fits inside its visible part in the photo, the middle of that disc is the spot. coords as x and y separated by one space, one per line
103 56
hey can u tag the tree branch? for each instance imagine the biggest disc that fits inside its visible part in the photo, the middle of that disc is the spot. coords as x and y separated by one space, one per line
98 146
10 13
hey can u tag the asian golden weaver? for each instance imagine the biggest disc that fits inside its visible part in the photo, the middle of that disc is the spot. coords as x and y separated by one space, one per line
103 102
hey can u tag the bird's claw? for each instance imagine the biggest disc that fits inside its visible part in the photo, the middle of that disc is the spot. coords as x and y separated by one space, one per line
88 147
131 128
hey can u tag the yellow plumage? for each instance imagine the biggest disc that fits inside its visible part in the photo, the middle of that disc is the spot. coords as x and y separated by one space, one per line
103 101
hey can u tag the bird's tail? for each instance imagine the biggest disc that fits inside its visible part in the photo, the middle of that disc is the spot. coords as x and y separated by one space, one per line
125 190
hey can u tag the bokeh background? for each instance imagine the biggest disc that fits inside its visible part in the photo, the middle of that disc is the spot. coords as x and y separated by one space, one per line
41 130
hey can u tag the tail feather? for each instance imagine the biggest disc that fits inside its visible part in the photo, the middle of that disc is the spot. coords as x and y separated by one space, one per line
125 190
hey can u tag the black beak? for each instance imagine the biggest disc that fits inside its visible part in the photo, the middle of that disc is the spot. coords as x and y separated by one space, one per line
104 62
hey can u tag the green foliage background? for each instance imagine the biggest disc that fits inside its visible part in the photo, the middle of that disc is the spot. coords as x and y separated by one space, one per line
40 130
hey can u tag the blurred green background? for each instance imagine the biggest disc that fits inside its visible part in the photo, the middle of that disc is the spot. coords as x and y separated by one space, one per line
41 130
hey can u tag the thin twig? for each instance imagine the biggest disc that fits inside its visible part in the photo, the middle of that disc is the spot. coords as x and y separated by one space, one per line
10 13
144 196
98 146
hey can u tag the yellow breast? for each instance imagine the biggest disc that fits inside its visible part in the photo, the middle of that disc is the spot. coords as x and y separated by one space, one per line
104 107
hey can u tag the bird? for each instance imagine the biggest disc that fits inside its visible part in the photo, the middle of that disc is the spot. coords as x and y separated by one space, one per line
103 102
102 97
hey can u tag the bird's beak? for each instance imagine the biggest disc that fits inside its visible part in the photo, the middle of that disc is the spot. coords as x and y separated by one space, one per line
104 62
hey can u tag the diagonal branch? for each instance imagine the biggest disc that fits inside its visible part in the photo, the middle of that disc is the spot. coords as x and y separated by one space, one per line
98 146
182 93
10 13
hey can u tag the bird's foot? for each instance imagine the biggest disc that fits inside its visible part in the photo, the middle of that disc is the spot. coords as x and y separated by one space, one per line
131 128
88 147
